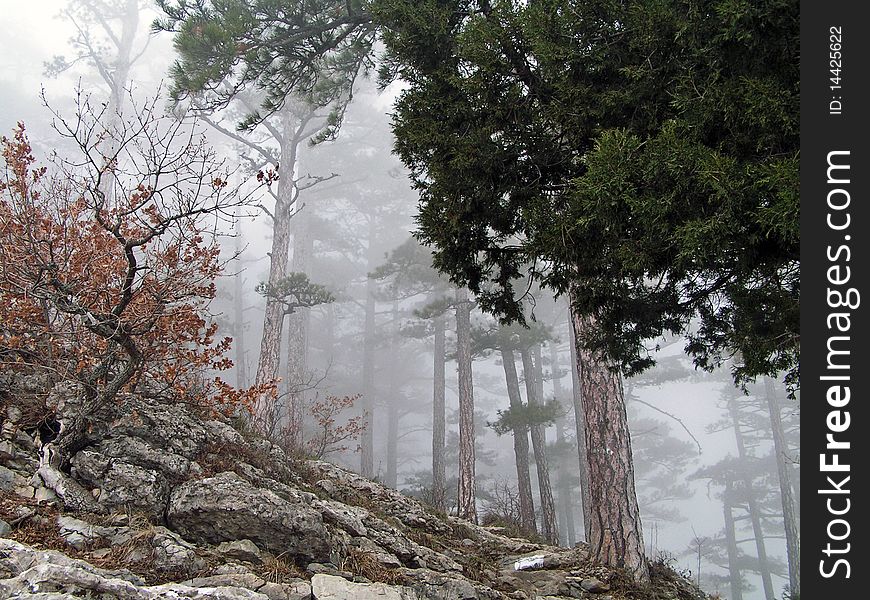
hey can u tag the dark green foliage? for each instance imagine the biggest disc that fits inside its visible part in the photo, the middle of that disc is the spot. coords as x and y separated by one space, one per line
295 291
314 48
408 270
640 155
489 338
644 154
519 418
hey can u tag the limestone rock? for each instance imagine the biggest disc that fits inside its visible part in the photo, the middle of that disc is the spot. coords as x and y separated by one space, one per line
593 585
243 550
13 482
81 534
171 553
431 585
166 426
327 569
29 573
138 452
17 559
7 451
540 583
51 483
384 558
348 518
226 508
297 590
329 587
347 484
123 486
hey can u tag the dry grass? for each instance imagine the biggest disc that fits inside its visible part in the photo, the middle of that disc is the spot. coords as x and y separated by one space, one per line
33 524
35 414
364 563
665 584
277 569
220 457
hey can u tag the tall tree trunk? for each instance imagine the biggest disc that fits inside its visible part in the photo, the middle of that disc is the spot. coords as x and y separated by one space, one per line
521 443
538 363
734 576
467 506
615 531
439 428
580 432
120 70
273 319
752 505
391 476
241 362
563 484
549 527
297 339
393 408
569 533
116 75
367 450
789 516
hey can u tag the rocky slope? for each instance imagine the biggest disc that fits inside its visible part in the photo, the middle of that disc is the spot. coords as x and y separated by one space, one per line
160 502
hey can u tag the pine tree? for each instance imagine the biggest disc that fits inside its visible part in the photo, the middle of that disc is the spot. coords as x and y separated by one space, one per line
409 267
621 146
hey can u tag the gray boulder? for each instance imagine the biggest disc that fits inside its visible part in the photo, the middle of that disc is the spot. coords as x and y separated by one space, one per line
122 486
243 550
81 534
226 507
13 482
47 575
430 585
347 486
330 587
296 590
170 553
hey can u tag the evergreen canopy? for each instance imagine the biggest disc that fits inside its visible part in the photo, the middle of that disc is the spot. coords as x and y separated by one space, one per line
640 155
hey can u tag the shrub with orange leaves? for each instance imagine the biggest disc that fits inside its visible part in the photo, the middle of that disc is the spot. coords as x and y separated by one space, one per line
108 259
330 435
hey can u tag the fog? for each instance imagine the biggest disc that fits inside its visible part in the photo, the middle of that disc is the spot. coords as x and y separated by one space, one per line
372 340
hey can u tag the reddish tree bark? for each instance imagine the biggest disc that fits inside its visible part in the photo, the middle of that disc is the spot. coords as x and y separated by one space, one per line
467 507
273 320
615 531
